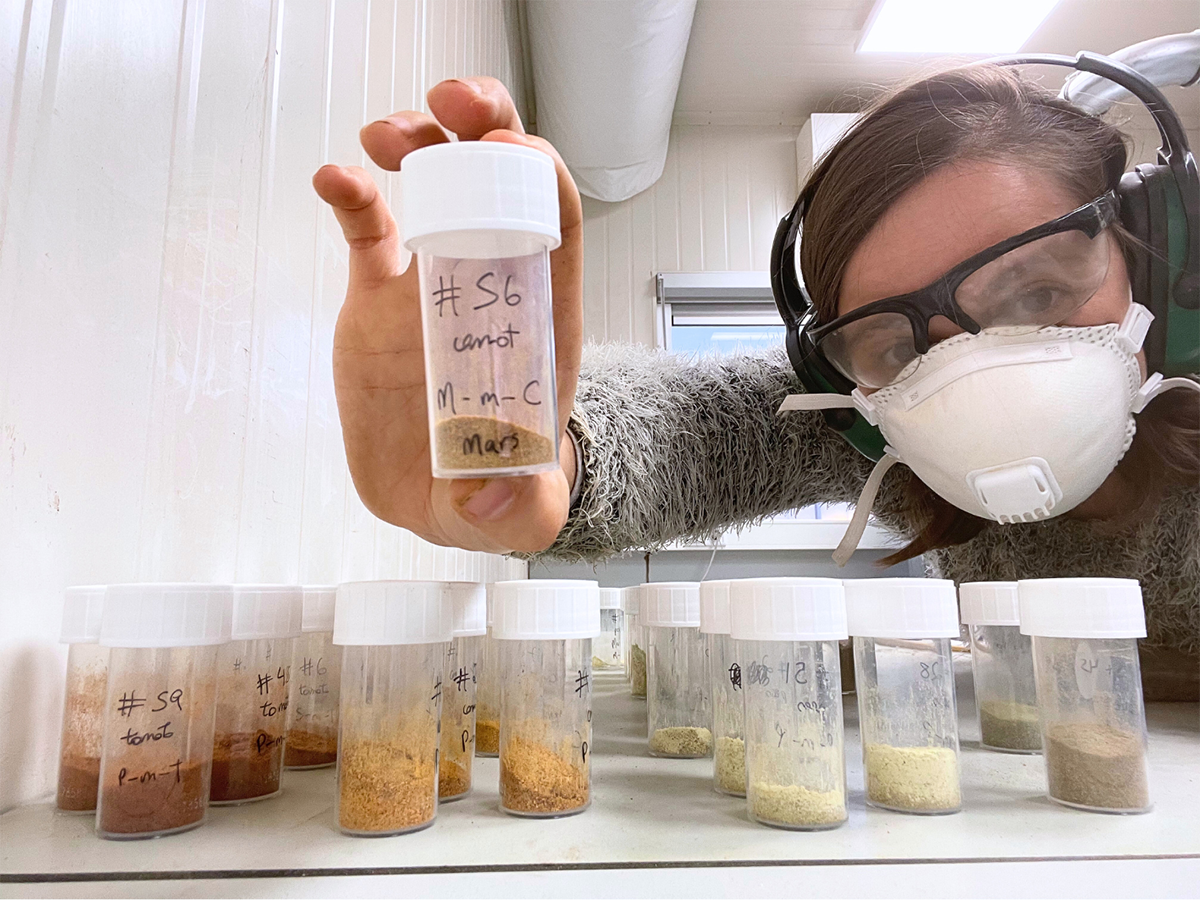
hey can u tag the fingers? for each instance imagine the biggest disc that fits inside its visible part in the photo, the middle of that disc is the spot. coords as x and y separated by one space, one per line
390 139
366 221
471 107
570 209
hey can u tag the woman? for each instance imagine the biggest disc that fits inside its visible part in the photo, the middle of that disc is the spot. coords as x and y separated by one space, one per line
659 448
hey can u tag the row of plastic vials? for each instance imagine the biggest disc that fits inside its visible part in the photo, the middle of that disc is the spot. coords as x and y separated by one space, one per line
182 695
749 671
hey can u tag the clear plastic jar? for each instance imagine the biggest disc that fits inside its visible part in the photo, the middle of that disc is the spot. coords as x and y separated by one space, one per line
1089 690
469 608
83 705
906 703
316 678
637 643
607 648
678 692
545 630
1002 665
786 631
482 218
487 692
160 707
394 637
253 672
729 745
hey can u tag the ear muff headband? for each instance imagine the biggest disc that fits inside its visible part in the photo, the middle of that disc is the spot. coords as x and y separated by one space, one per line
1160 206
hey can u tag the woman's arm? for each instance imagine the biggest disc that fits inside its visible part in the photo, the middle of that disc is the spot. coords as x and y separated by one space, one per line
674 447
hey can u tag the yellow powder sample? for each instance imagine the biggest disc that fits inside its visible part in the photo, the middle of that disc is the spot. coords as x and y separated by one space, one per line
535 779
487 737
682 741
791 804
729 766
920 779
384 787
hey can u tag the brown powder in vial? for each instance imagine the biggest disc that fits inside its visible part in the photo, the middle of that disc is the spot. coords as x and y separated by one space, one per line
383 788
139 804
1006 725
535 779
78 783
1097 766
245 766
82 736
487 737
453 780
479 442
310 749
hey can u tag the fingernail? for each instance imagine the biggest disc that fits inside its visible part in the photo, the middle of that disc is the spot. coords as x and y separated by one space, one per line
491 501
471 84
401 125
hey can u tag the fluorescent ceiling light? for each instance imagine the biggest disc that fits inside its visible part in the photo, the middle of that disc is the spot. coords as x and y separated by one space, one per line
953 26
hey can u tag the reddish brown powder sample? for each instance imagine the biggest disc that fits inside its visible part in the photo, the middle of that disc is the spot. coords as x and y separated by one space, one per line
453 780
245 766
308 749
487 737
535 779
173 799
78 783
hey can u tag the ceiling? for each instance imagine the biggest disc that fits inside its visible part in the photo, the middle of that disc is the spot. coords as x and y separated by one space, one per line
779 61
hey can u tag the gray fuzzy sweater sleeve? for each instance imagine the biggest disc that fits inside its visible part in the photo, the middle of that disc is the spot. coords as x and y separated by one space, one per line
675 447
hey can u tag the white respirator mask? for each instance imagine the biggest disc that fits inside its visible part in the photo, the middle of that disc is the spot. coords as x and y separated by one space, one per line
1007 424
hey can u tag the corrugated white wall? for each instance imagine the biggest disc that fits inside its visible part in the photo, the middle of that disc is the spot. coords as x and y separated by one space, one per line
716 207
169 285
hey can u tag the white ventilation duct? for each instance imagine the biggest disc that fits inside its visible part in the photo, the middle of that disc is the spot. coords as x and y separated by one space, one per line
605 75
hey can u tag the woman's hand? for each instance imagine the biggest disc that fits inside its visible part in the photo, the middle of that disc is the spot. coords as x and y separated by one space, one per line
378 358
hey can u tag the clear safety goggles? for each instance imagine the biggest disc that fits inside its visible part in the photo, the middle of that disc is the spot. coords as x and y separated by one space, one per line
1032 280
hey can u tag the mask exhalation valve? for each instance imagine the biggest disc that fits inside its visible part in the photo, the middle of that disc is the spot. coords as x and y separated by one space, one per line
1021 491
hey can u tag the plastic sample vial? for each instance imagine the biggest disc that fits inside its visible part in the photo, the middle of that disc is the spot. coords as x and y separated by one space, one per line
729 745
1002 665
316 677
160 707
83 707
487 691
1089 690
606 649
637 642
906 705
678 693
394 637
545 630
468 601
253 671
482 218
786 632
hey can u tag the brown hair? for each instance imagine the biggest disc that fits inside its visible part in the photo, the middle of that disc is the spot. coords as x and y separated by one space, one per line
979 112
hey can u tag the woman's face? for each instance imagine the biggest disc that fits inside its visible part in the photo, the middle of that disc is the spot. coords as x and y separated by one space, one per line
954 213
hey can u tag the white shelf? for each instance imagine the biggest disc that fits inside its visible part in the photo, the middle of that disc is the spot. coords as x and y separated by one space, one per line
646 812
800 534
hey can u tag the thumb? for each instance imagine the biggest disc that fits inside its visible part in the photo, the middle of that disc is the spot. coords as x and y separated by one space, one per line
503 515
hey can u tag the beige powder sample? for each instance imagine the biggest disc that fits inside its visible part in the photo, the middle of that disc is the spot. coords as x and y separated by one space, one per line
920 779
791 804
730 765
681 740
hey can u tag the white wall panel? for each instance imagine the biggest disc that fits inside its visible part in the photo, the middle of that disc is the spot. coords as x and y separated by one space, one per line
721 194
169 285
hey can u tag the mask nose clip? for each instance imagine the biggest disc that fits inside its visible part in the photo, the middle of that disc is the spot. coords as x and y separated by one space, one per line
1021 491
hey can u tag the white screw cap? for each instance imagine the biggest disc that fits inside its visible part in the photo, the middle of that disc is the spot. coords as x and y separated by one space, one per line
901 608
544 609
385 613
671 604
714 607
458 194
612 598
989 603
319 601
82 606
1082 607
633 600
468 601
788 609
166 615
266 611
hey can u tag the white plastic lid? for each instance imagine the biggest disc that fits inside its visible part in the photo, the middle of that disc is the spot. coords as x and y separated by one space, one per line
714 607
469 193
319 600
385 613
166 615
468 602
633 600
490 589
989 603
546 610
263 611
901 607
612 598
671 604
788 609
82 605
1082 607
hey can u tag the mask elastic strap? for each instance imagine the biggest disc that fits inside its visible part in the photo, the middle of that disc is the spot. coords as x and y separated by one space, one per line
862 511
1156 385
